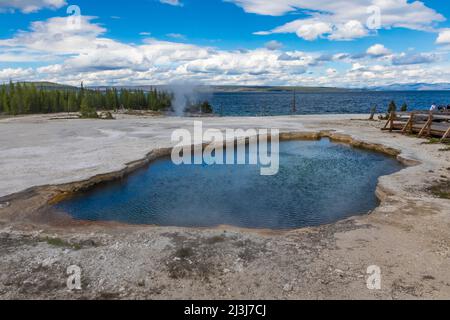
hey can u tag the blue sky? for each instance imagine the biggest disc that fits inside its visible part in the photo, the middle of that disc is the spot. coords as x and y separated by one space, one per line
284 42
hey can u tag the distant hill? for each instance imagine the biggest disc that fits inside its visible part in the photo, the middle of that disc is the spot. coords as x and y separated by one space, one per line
44 85
277 89
230 89
415 87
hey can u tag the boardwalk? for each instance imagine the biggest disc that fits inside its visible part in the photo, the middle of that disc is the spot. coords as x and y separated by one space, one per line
422 123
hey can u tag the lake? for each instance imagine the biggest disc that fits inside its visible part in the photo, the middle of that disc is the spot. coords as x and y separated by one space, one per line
280 103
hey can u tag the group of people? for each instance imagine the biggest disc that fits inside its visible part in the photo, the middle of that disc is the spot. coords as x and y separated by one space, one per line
434 107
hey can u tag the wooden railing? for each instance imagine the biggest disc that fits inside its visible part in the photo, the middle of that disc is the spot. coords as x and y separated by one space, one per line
425 123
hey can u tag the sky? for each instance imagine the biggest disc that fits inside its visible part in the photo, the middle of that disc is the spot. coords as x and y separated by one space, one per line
339 43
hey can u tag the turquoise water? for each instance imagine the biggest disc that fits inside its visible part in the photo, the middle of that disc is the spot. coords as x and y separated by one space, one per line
319 182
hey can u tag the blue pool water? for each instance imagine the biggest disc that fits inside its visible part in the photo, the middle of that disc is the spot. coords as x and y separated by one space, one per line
319 182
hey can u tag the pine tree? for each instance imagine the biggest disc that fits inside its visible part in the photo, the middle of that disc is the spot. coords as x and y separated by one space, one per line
2 94
86 109
116 99
14 105
23 98
124 99
18 100
26 100
6 103
11 88
72 102
34 100
151 100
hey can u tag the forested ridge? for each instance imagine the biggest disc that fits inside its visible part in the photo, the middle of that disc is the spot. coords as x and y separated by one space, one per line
27 98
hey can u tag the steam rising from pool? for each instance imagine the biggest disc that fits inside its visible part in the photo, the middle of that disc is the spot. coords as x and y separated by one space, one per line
319 182
183 94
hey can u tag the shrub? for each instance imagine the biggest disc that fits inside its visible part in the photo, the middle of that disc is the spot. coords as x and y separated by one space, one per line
392 107
204 107
373 110
87 111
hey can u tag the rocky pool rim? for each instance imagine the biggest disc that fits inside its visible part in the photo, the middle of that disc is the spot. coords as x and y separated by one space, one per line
46 196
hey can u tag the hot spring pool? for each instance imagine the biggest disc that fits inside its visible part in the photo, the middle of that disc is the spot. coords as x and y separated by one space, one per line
319 182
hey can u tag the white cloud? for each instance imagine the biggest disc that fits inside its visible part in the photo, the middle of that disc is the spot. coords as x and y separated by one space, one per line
85 54
172 2
28 6
409 59
269 8
331 72
70 56
378 50
311 30
273 45
57 36
17 74
348 31
343 19
444 37
176 36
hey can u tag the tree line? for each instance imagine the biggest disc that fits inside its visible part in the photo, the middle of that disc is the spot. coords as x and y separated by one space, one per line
27 98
